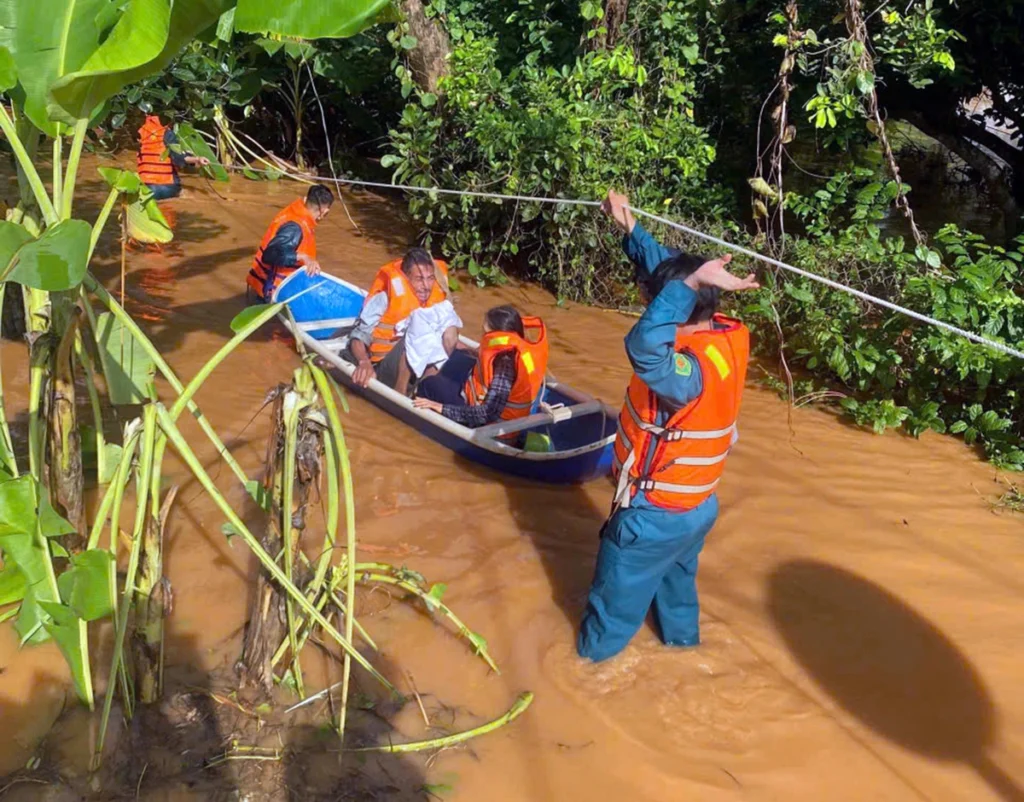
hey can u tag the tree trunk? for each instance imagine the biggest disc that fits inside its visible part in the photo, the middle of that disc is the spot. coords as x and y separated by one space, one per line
609 26
429 59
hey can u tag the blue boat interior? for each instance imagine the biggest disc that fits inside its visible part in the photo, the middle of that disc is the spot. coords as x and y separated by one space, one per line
336 304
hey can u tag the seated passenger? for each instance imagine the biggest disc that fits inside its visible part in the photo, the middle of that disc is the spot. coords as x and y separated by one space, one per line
502 382
377 345
288 244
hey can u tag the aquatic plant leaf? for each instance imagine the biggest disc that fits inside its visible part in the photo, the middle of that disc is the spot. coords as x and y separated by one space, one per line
17 506
247 316
12 583
8 72
194 142
437 591
51 523
64 627
12 237
56 261
308 19
146 223
124 181
127 367
259 494
20 543
85 586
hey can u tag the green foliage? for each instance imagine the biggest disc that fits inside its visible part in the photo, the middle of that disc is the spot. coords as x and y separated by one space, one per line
915 45
127 366
57 260
308 19
534 126
897 372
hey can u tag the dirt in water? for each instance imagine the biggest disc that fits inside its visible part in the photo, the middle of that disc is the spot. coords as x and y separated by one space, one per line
861 600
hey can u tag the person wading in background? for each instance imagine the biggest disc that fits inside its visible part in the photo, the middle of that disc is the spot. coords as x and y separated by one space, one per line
159 159
676 428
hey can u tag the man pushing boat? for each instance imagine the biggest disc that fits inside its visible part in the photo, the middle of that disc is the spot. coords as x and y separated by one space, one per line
289 244
676 428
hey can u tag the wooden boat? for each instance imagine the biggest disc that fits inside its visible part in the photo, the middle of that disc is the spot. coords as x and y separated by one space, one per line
322 311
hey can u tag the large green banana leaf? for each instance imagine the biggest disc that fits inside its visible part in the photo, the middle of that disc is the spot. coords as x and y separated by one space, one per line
71 56
148 35
49 39
308 19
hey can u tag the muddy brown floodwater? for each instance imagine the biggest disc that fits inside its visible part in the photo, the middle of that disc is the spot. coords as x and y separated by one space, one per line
863 606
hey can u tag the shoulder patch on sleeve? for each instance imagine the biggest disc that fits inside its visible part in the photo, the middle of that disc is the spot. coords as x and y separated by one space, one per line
683 365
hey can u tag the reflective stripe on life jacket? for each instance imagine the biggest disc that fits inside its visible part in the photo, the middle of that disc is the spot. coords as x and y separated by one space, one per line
531 365
402 302
264 278
679 465
153 161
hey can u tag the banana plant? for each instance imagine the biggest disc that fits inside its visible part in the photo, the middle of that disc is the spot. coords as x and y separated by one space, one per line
61 61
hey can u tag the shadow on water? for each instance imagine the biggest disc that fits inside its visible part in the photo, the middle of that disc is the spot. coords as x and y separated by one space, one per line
886 665
564 524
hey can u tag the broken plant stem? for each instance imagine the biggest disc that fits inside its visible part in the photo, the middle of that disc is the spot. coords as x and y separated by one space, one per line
366 573
514 712
183 448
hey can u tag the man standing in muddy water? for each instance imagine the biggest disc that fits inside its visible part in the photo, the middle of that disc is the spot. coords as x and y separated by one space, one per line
676 427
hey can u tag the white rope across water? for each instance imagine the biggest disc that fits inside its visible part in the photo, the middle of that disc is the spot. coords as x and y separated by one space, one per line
968 335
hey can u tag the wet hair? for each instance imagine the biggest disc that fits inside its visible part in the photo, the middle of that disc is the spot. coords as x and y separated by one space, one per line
678 267
319 195
505 318
416 256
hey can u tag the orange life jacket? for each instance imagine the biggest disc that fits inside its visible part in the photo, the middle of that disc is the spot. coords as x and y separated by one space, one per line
154 163
264 278
678 465
402 302
531 365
